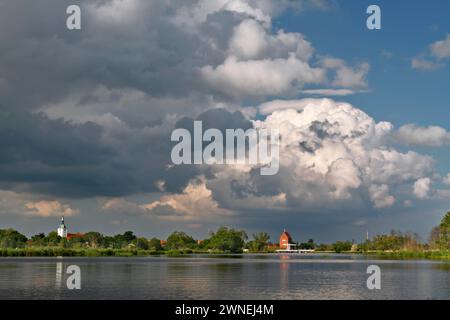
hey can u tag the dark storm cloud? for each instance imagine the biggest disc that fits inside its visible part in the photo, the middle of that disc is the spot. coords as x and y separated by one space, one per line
42 64
62 158
59 158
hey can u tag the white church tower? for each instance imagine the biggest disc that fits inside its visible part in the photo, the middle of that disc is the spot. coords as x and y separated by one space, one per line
62 230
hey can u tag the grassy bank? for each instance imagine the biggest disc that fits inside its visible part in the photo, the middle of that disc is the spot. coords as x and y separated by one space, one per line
68 252
404 255
71 252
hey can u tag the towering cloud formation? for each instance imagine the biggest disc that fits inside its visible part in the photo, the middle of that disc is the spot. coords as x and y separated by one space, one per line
331 155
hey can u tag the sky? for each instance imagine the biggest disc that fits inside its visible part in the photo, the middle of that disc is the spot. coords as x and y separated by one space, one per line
86 116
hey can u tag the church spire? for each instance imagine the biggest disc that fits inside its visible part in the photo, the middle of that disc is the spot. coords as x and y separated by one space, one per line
62 230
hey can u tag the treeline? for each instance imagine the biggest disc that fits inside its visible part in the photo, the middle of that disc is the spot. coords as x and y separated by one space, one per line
396 241
224 240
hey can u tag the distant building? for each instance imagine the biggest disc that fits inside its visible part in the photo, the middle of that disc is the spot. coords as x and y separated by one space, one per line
286 242
62 230
287 245
74 235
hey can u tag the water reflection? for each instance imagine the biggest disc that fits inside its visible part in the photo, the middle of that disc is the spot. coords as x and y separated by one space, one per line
59 268
284 273
225 277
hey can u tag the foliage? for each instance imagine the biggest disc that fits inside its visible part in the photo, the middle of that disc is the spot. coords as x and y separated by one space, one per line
180 240
307 245
324 247
394 241
225 240
228 240
93 239
142 244
11 238
155 244
444 232
341 246
259 243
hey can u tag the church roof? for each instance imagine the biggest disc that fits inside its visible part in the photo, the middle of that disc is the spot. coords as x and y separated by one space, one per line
286 234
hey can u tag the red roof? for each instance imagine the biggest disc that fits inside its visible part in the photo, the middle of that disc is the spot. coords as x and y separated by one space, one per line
286 234
285 240
74 235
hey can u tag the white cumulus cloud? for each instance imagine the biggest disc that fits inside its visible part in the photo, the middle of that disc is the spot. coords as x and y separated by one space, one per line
431 136
441 49
53 208
331 153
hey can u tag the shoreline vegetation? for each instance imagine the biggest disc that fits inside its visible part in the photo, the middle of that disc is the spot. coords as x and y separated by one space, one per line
395 245
67 252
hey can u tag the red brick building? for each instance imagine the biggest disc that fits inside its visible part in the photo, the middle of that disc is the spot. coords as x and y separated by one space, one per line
285 240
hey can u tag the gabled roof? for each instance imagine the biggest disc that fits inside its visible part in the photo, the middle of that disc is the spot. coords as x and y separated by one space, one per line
285 233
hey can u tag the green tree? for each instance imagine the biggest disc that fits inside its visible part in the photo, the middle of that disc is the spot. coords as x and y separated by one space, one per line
38 239
120 241
180 240
129 236
444 232
142 244
108 242
155 244
53 239
324 247
260 242
94 239
307 245
341 246
435 235
11 238
228 240
394 241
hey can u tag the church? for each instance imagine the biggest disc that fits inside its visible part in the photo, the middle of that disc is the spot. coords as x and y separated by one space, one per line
62 231
286 241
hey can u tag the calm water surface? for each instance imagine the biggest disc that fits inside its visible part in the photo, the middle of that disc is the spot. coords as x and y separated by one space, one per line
224 277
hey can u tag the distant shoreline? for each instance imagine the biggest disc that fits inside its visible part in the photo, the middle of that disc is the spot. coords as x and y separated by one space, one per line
69 252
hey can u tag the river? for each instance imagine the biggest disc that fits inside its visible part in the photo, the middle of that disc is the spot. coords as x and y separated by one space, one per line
314 276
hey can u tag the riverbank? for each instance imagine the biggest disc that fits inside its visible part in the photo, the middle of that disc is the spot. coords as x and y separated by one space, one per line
70 252
405 255
101 252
